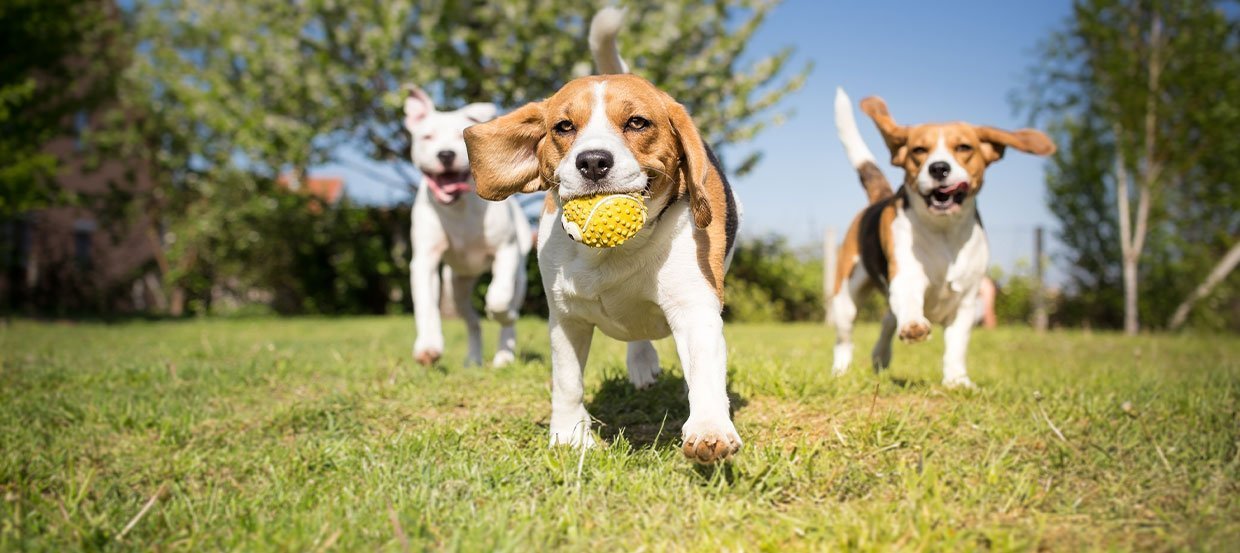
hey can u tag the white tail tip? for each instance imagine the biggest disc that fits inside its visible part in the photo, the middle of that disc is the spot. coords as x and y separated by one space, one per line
603 30
846 127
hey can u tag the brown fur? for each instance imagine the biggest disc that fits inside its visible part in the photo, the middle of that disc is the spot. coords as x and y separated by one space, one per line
520 152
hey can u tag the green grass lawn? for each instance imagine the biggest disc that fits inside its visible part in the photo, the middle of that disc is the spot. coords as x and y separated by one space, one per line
317 434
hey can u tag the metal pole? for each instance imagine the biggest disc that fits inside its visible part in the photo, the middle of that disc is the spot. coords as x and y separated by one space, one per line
1039 283
828 271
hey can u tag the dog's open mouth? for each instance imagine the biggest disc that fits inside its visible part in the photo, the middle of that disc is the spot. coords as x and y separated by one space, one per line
947 198
448 187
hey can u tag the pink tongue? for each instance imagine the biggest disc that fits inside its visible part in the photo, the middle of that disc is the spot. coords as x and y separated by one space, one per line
455 187
953 189
448 187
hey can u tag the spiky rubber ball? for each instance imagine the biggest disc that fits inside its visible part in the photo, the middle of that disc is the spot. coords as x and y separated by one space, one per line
604 221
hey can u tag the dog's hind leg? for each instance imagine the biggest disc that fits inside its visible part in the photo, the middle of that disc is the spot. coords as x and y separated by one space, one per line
504 298
843 315
462 298
643 364
880 357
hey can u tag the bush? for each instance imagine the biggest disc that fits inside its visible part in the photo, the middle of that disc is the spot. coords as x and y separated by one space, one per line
769 281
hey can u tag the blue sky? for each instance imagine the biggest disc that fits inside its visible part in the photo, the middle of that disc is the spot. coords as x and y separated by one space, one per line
931 61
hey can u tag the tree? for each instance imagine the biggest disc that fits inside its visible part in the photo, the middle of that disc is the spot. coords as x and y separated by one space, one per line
55 61
1148 87
259 87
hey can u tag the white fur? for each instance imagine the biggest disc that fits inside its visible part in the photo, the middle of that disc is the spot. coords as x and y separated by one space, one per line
603 30
645 289
927 184
941 260
648 288
846 127
469 237
600 133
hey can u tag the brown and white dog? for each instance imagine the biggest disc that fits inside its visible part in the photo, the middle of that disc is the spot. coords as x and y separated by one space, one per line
619 134
922 245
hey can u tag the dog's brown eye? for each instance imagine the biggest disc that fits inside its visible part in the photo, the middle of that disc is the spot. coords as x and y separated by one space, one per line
564 127
637 123
919 151
964 149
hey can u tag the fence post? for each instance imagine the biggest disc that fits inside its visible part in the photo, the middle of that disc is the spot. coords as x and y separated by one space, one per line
828 271
1039 282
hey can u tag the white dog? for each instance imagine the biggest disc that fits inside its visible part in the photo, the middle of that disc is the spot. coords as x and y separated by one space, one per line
620 134
468 235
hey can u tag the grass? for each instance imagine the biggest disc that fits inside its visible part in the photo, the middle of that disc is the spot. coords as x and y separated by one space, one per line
317 434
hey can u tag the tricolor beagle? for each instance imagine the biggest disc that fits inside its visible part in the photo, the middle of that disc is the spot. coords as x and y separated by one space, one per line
923 246
619 134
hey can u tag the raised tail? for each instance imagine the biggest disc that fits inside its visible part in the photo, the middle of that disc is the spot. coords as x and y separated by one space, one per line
603 30
872 179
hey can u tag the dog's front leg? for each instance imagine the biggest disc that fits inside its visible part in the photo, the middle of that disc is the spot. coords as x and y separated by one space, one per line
424 279
709 435
570 346
907 297
956 337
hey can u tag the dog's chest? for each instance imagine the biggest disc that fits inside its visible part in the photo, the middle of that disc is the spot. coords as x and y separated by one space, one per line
952 264
618 297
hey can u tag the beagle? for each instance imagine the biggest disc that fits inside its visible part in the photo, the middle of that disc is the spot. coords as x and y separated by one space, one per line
619 134
923 245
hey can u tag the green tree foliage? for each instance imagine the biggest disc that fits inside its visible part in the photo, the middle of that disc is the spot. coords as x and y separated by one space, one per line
57 57
769 281
248 89
1143 96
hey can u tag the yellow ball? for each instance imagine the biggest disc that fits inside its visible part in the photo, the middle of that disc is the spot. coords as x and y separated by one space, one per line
604 221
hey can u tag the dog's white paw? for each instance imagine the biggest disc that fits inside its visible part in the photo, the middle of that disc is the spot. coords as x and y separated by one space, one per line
709 440
914 331
427 357
503 315
959 382
572 431
503 358
841 359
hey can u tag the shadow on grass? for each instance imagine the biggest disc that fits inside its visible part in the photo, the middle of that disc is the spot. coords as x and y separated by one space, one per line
647 418
911 383
532 356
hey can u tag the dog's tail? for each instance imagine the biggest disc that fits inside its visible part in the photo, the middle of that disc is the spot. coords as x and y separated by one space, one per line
876 186
603 30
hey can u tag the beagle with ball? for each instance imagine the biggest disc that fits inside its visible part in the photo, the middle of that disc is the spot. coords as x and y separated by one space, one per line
618 134
923 245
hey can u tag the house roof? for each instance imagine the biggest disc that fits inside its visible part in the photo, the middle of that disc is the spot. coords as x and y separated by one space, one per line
327 189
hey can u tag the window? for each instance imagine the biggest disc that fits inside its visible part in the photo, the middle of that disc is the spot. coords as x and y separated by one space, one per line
83 233
81 124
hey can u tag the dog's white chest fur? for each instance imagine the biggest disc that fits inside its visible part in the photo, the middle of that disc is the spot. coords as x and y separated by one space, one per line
624 290
951 258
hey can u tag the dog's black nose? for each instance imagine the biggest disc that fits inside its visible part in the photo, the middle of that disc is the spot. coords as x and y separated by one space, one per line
446 157
594 164
939 170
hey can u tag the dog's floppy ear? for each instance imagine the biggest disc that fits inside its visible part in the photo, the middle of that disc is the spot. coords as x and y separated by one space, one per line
503 153
480 112
995 141
894 135
698 172
418 105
